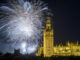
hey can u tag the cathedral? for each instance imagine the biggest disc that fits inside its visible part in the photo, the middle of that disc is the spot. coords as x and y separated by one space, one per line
48 49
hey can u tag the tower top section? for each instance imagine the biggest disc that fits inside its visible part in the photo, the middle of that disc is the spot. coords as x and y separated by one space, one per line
48 23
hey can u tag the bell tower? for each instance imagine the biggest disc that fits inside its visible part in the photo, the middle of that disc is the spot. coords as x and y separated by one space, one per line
48 39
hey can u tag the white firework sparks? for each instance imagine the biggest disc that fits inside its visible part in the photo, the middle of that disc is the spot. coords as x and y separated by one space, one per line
24 22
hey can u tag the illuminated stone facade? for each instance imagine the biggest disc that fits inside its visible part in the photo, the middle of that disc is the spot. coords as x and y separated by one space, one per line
48 49
69 50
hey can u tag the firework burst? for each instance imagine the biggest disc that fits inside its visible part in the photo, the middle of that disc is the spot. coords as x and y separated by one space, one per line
22 22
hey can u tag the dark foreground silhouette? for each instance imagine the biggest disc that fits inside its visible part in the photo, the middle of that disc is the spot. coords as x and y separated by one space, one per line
32 57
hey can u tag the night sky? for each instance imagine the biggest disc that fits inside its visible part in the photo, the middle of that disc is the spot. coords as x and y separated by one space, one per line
66 19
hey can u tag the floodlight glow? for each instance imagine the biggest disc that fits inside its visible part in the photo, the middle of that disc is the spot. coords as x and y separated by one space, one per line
24 47
31 49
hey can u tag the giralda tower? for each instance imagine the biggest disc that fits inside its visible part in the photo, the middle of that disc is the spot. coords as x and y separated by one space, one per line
48 38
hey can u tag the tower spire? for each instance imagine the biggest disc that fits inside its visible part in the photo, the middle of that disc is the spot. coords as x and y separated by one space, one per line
48 23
